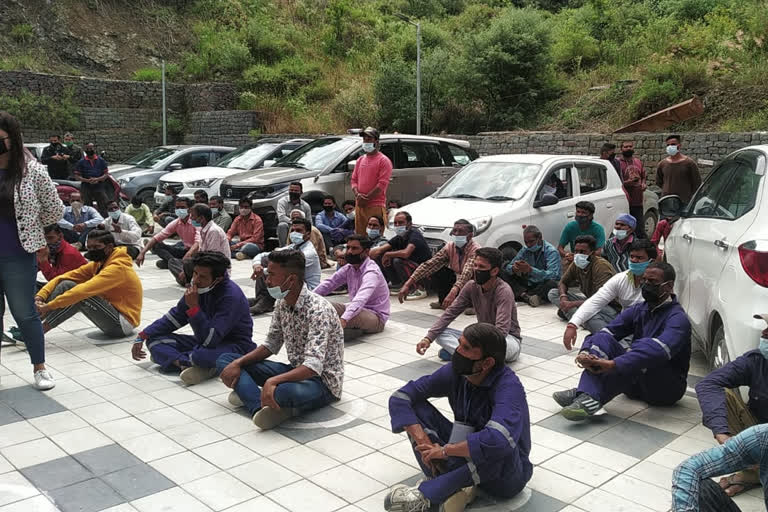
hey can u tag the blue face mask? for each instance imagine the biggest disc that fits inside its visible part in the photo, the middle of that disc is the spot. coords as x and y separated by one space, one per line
638 269
195 223
459 240
115 215
535 248
400 230
296 238
672 150
581 260
214 211
764 347
277 293
373 233
181 213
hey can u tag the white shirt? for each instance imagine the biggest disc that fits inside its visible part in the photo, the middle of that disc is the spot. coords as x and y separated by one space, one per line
131 231
312 272
621 287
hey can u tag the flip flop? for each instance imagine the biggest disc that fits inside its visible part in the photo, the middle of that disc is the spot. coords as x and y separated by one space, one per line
732 482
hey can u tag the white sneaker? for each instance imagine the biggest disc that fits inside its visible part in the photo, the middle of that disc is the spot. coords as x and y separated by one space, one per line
195 375
44 380
267 418
234 399
402 498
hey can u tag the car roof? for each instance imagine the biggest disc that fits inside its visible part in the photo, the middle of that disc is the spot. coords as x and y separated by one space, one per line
532 158
195 146
408 136
37 144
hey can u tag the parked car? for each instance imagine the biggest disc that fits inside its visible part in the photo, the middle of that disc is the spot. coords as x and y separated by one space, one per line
36 148
324 166
65 188
260 154
719 248
138 175
502 194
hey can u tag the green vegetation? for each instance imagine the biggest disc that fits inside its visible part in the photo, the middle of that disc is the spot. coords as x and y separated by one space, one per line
156 74
42 111
22 32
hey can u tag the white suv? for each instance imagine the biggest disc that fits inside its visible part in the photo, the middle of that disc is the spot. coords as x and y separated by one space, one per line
719 248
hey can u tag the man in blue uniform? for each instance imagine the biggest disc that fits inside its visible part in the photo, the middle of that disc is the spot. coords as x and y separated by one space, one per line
653 369
217 310
488 443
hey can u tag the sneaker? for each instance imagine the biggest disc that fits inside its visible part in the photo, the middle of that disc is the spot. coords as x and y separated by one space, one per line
394 290
261 307
234 399
240 256
582 408
268 418
565 398
470 312
444 355
195 375
402 498
161 264
43 380
418 294
459 500
561 315
436 305
534 301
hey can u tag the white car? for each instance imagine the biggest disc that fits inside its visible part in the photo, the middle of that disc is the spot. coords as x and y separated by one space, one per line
502 194
719 248
260 154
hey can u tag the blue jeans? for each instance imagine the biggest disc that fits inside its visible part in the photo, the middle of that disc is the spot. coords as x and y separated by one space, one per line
302 396
249 249
18 285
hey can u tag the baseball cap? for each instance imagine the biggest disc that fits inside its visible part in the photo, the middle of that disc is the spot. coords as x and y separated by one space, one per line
764 316
371 132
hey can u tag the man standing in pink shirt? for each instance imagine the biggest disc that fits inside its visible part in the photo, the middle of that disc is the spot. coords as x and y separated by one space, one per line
182 227
633 178
370 180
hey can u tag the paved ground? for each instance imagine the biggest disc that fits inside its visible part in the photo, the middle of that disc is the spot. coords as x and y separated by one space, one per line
115 435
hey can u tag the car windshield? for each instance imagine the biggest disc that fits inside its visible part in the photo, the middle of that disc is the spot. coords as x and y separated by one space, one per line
246 157
150 157
491 181
318 154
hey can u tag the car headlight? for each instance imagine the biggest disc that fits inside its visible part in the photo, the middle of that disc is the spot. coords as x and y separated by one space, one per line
204 183
125 181
481 224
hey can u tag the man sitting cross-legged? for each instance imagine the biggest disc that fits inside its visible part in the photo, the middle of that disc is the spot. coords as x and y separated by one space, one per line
310 329
487 442
535 269
491 298
106 290
654 368
217 310
368 308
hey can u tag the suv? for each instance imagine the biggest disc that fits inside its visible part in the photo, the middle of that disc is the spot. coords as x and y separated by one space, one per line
138 176
263 153
719 248
324 166
502 194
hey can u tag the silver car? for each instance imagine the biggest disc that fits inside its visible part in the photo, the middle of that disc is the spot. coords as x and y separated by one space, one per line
420 165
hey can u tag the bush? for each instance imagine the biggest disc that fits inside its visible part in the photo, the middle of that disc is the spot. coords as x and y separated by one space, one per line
653 95
219 52
247 101
574 47
42 111
355 106
394 90
22 32
286 77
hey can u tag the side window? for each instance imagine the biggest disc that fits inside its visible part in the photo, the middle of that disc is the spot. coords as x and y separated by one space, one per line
342 167
194 159
420 154
458 155
558 182
592 178
389 151
740 190
704 203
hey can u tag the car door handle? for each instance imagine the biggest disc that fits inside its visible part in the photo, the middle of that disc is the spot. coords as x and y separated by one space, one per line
609 205
687 237
570 215
721 244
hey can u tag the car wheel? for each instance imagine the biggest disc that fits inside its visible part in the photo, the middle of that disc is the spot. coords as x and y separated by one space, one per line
148 197
718 354
508 251
649 223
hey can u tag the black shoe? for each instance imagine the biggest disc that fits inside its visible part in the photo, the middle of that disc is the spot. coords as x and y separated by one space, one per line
566 397
161 264
582 408
261 307
561 314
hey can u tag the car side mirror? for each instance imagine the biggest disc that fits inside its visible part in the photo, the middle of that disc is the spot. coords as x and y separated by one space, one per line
351 165
671 206
546 200
174 167
268 163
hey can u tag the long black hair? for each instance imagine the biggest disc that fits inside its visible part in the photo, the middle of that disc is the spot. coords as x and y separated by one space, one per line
16 163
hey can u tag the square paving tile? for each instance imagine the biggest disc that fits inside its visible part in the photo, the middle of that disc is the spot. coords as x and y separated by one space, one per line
107 459
632 438
89 496
583 430
414 370
29 402
138 481
8 415
57 473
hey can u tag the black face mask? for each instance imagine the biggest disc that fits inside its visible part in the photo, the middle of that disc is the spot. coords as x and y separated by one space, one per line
463 365
328 209
98 255
354 259
295 196
628 154
482 276
89 152
3 148
581 219
652 293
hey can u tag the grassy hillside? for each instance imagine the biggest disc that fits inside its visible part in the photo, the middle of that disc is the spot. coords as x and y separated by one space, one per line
324 65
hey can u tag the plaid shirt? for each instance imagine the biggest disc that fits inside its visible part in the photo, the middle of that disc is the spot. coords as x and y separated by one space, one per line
442 259
748 448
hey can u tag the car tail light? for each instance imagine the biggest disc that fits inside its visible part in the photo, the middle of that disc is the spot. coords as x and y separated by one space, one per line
755 261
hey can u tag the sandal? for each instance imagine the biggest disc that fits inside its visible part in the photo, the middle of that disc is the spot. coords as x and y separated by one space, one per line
731 481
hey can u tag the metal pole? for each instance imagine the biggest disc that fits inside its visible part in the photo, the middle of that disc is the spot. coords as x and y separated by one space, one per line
418 79
165 121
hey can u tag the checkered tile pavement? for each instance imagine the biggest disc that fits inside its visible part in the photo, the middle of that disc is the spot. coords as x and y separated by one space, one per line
116 435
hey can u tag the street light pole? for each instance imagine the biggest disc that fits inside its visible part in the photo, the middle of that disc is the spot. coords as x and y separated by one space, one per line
165 120
418 68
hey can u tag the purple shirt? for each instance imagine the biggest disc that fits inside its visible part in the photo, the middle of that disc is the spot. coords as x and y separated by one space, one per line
9 232
367 288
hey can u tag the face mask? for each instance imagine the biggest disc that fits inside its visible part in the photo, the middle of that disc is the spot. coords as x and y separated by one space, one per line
214 211
628 154
354 259
296 238
764 347
368 147
351 215
373 233
651 293
535 248
68 144
482 276
54 248
98 255
89 152
672 150
638 269
295 196
115 215
201 291
400 230
459 240
76 205
463 365
3 148
182 213
277 293
621 234
581 219
581 260
197 225
245 212
328 209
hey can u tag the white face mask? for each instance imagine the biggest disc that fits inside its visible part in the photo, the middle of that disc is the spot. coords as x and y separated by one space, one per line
620 234
764 347
201 291
368 147
245 212
296 238
581 260
672 150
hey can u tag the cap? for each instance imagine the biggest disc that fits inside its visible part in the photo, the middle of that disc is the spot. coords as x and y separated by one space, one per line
764 316
627 219
371 132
